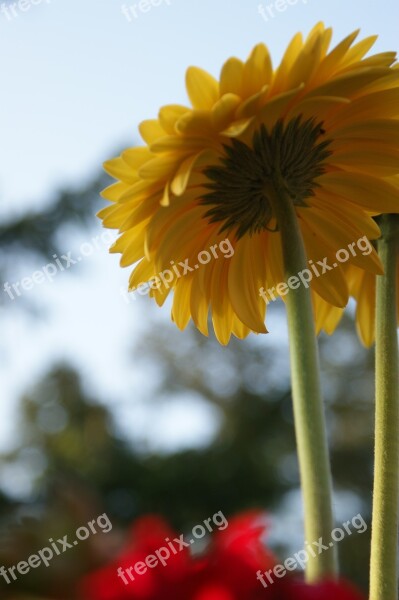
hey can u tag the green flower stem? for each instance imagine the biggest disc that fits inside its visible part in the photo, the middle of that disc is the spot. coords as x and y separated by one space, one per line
384 538
306 392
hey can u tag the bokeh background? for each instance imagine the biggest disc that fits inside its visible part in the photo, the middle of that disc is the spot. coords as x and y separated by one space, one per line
104 405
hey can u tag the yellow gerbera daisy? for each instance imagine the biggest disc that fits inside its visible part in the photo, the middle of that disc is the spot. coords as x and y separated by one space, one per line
325 121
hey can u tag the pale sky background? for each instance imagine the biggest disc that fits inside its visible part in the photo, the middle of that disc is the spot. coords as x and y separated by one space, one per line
77 78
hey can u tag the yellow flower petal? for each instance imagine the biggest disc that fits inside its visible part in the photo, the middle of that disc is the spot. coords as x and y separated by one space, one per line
331 285
359 50
151 130
338 235
114 192
371 193
199 306
181 303
257 72
365 314
118 168
224 110
277 107
334 59
281 75
160 167
245 299
180 180
134 245
231 77
368 107
169 115
142 273
136 157
202 88
346 212
307 62
253 104
378 130
319 107
327 316
350 83
375 160
197 122
222 312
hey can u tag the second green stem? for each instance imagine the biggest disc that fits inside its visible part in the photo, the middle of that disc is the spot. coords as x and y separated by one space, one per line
384 539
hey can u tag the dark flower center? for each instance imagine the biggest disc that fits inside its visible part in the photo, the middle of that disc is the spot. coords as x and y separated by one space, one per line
239 196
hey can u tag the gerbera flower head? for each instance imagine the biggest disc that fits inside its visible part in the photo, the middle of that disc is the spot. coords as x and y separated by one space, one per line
324 124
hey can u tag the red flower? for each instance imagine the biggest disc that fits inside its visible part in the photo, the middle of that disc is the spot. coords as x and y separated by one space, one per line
226 571
147 535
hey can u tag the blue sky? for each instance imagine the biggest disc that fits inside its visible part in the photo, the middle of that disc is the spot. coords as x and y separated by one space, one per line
77 78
